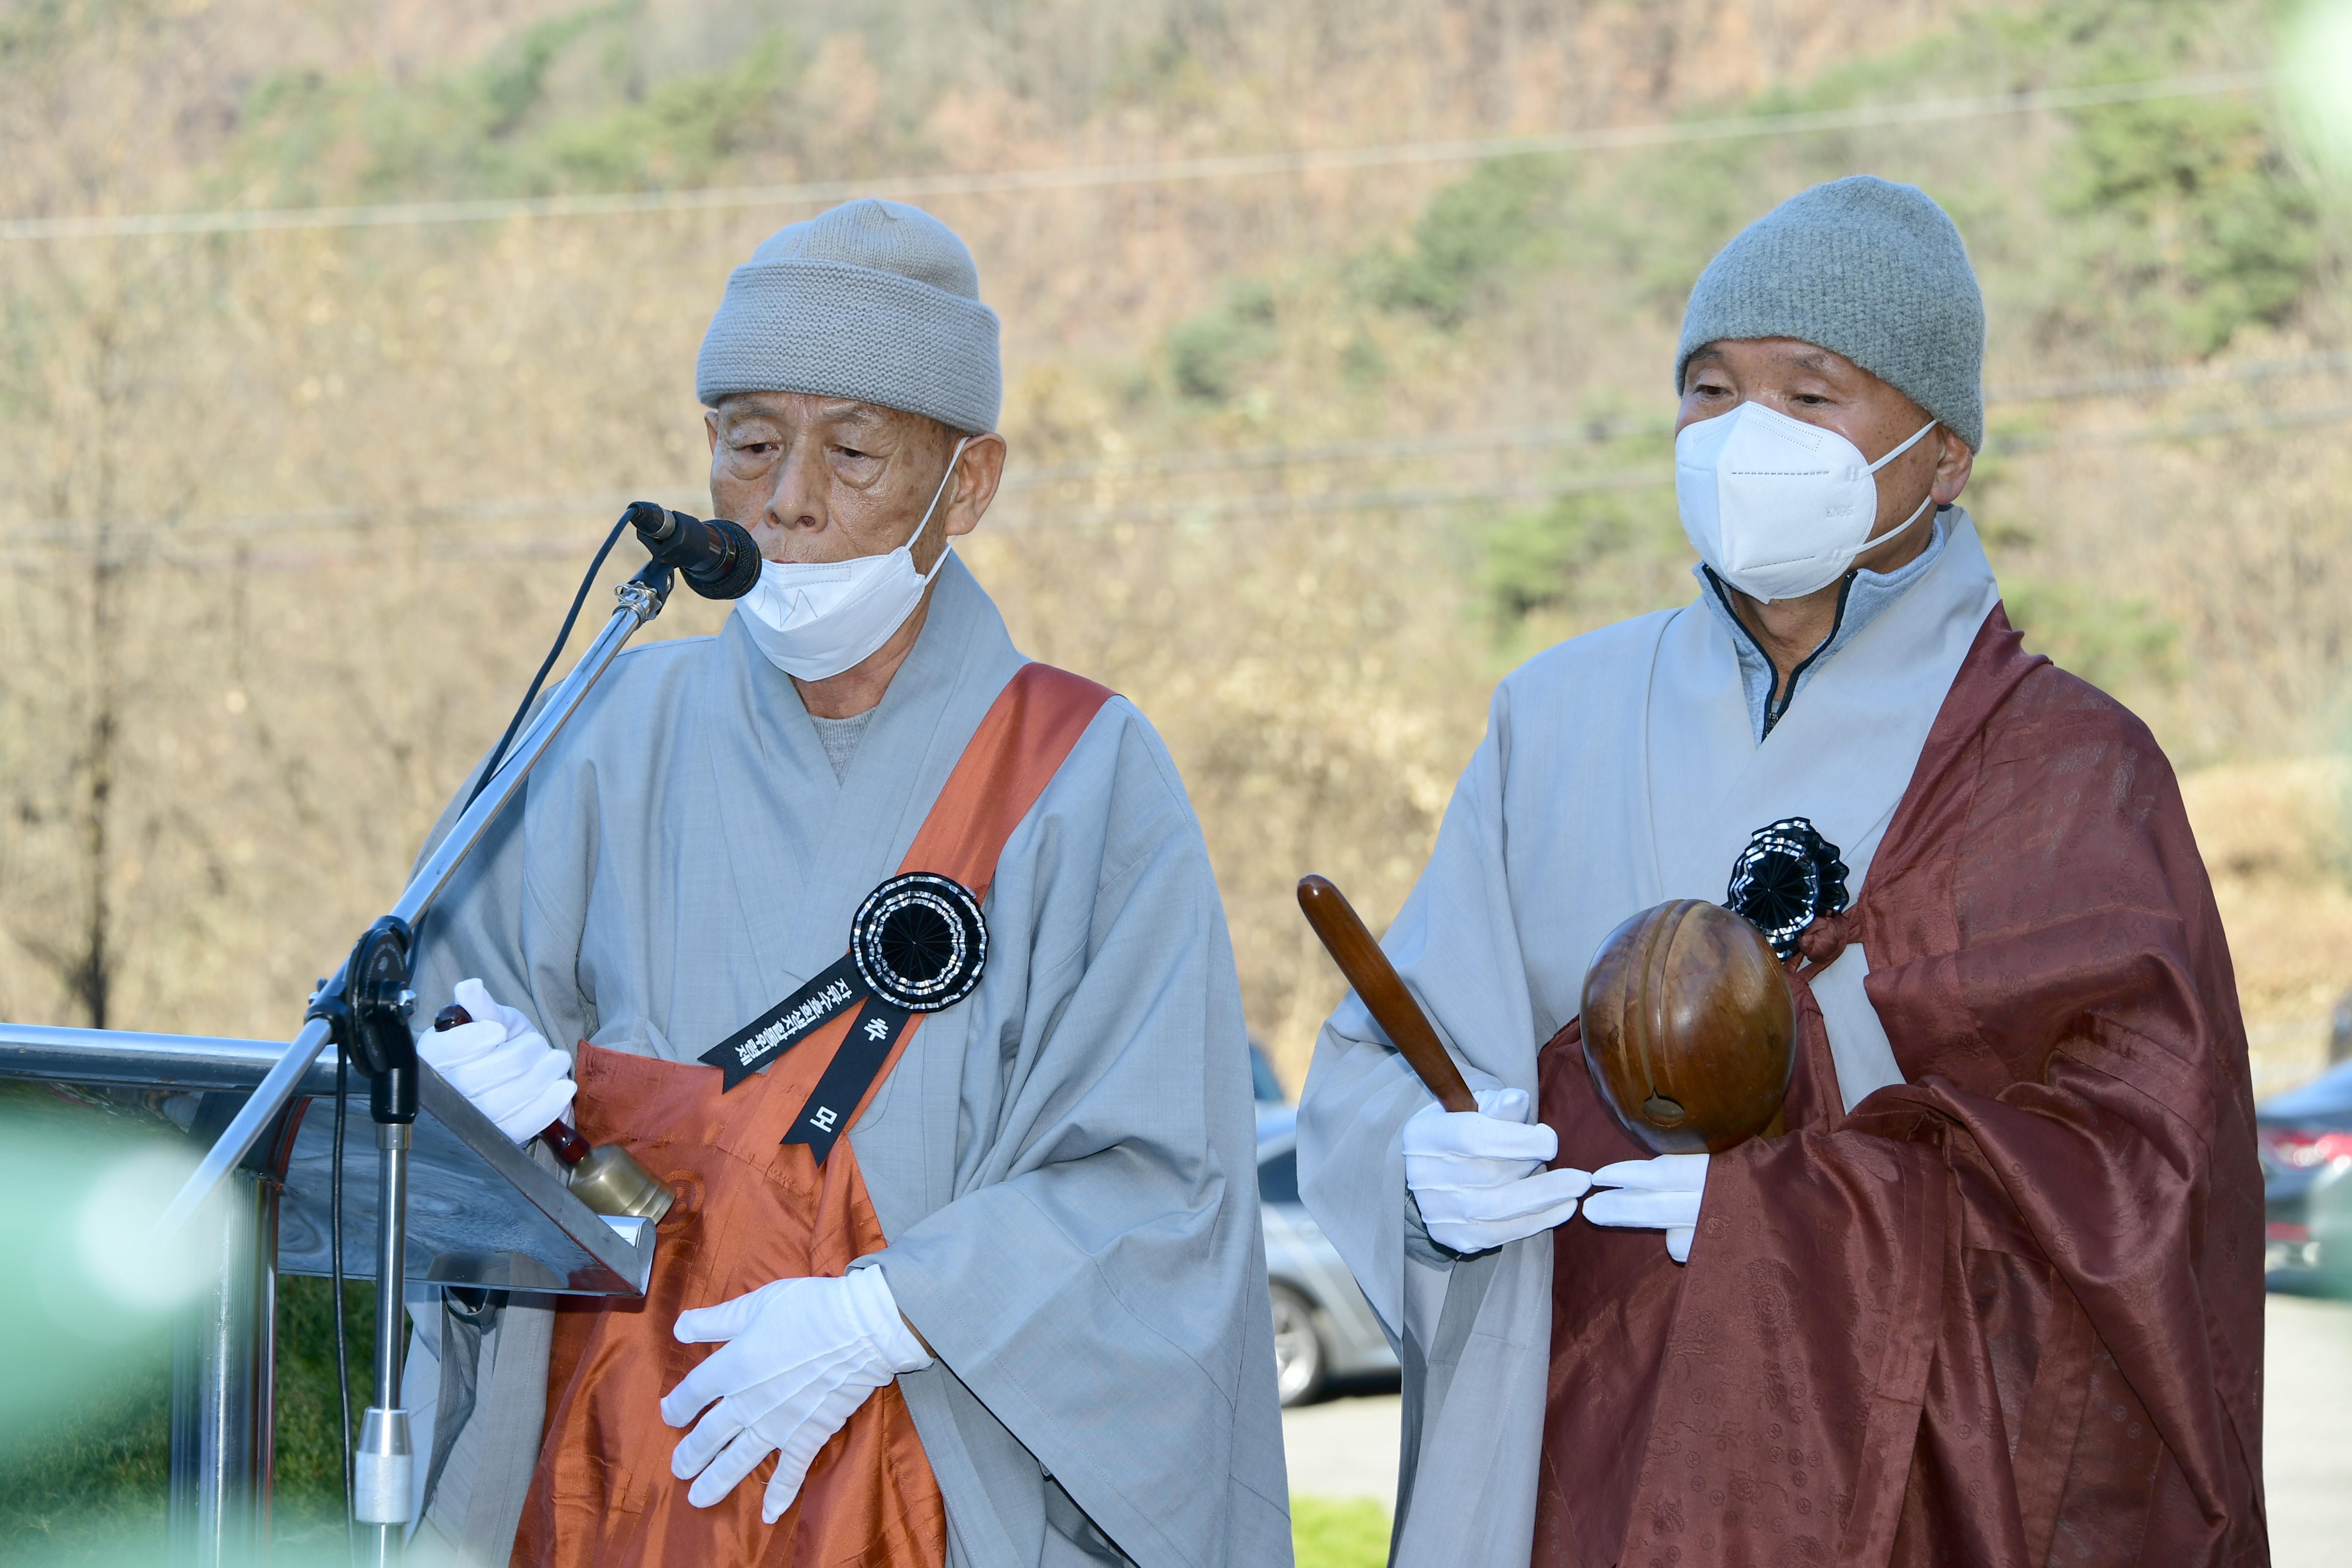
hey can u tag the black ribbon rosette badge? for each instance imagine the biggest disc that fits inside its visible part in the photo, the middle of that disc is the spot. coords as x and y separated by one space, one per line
918 944
1786 878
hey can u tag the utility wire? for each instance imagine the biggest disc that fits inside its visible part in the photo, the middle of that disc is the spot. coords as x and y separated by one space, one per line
1169 171
2179 430
160 552
684 491
2106 384
1589 433
2109 384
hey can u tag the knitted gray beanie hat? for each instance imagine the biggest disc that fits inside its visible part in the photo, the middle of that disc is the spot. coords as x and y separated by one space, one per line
1866 267
875 300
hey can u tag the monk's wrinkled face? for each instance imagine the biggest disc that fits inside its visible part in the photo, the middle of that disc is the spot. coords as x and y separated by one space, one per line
826 479
1807 381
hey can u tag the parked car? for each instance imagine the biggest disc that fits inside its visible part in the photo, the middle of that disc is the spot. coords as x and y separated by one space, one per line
1266 1087
2306 1137
1323 1327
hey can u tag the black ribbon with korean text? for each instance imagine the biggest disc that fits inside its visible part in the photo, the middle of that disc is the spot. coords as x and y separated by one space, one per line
916 945
847 1077
833 992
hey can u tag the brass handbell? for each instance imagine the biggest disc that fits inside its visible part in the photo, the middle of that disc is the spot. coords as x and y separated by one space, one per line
607 1177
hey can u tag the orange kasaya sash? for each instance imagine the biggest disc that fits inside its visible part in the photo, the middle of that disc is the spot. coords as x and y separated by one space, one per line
752 1209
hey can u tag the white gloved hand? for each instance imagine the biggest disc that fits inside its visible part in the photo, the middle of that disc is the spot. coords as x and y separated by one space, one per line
802 1356
1478 1175
501 1064
1659 1193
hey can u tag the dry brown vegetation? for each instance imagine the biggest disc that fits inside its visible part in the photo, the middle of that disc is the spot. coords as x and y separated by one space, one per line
293 513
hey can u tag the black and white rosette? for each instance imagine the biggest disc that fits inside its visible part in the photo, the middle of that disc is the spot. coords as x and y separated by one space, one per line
918 944
1786 878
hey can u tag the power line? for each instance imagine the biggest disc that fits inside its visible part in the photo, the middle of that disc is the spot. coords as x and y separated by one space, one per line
2179 430
1597 432
685 492
1665 133
162 549
1590 433
2107 383
1662 476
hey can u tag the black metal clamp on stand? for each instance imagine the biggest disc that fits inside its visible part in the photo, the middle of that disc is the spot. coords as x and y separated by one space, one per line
366 1007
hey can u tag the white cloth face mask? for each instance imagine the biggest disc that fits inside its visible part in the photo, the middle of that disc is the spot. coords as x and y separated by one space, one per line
816 619
1777 507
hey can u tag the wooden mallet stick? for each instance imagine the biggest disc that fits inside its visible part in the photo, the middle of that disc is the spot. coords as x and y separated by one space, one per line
1375 979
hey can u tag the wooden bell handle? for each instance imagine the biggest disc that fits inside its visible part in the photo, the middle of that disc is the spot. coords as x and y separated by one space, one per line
1375 979
569 1146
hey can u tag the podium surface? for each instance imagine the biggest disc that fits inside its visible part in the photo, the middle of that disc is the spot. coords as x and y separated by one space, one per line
481 1213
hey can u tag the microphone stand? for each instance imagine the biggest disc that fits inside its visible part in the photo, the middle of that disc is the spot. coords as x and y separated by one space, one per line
364 1009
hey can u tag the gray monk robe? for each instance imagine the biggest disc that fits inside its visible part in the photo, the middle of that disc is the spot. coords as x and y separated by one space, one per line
1063 1164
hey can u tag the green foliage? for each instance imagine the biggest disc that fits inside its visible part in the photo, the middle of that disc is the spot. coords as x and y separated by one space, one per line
1362 361
85 1403
510 84
2112 643
310 1489
1208 354
80 1486
498 128
1476 236
1653 223
1584 557
1339 1533
1534 559
84 1482
2188 222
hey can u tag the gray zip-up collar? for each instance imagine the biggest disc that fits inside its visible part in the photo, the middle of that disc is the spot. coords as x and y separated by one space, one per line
1862 597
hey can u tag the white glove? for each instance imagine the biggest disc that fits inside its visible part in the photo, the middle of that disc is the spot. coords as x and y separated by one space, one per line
501 1064
802 1355
1478 1175
1659 1193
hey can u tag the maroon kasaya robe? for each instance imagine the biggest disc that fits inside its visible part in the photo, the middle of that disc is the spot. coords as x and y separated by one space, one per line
2007 1312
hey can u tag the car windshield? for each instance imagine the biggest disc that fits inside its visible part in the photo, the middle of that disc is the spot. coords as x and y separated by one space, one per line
1263 1083
1278 1179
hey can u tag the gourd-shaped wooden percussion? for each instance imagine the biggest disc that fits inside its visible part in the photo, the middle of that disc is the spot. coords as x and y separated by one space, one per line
1689 1032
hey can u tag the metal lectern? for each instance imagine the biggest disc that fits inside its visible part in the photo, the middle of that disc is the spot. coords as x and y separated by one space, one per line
459 1203
481 1213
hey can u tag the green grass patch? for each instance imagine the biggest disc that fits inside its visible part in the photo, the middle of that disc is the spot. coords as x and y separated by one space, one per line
86 1382
1339 1532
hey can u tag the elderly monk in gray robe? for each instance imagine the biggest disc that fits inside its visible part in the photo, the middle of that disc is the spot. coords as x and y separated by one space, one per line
1017 1314
1994 1296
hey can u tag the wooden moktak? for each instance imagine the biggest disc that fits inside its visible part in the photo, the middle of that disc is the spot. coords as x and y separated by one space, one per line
1689 1032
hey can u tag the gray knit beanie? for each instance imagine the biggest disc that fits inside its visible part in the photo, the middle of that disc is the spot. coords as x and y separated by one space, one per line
875 300
1866 268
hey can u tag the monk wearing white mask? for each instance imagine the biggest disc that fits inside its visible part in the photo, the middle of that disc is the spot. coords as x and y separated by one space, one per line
898 958
1995 1294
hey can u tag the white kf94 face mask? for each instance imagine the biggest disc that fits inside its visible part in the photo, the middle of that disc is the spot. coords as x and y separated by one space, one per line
1777 507
816 619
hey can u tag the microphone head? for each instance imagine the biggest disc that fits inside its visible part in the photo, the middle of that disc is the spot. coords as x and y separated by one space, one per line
736 572
717 558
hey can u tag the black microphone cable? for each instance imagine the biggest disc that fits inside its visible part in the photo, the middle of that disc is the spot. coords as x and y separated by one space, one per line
497 753
344 1062
335 1242
732 580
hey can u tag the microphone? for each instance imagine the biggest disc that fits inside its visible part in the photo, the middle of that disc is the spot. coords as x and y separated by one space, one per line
716 558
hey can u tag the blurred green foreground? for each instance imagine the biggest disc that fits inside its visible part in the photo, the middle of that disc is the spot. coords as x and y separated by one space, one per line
86 1395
